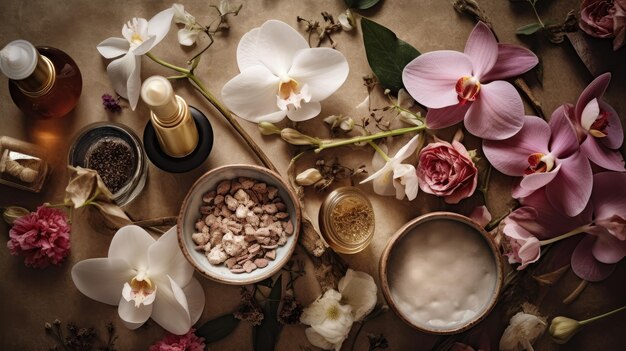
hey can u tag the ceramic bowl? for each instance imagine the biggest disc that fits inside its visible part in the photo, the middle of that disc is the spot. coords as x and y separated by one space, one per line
189 214
401 247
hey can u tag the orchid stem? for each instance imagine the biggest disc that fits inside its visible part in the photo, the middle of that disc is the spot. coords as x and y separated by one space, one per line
330 144
532 4
379 151
573 232
168 65
593 319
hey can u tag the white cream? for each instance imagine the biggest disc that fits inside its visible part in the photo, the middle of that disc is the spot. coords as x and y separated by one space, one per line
442 274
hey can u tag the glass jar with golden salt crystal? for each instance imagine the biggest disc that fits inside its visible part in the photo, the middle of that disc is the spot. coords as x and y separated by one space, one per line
347 220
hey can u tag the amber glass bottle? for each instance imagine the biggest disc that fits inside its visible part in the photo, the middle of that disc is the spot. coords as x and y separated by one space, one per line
43 82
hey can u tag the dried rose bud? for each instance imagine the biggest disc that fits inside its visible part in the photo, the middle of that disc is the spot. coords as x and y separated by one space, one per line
308 177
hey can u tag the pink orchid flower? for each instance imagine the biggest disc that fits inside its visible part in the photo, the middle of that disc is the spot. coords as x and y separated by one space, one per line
598 125
601 223
547 157
456 86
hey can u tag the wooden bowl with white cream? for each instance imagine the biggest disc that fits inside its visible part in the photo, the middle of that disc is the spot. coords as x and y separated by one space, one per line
441 273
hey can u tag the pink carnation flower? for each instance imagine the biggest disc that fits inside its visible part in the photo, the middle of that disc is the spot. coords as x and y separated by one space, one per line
43 237
468 85
187 342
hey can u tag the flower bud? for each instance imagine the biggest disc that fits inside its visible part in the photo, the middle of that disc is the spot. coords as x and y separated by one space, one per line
563 328
347 124
308 177
267 128
346 20
294 137
11 213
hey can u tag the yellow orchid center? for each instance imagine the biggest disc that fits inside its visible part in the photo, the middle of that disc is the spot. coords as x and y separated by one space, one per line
539 163
467 88
290 94
136 38
141 290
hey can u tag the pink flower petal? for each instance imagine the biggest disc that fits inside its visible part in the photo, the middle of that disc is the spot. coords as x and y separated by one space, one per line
595 90
482 48
564 140
431 78
512 61
497 113
481 215
609 196
570 191
603 157
538 180
437 118
510 156
614 132
585 265
608 249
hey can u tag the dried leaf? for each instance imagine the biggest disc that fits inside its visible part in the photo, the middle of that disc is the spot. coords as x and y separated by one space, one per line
111 215
549 279
84 185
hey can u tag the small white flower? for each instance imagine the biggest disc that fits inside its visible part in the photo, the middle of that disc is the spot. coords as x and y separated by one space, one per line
396 177
146 278
140 36
308 177
331 316
187 35
346 20
282 76
523 330
345 123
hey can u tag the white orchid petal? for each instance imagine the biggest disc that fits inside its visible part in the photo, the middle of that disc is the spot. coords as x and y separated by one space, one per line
113 47
388 167
187 37
165 257
277 45
138 26
324 70
317 340
306 111
252 93
358 289
590 114
133 317
246 50
383 185
145 46
168 312
102 279
405 100
408 149
124 75
195 299
411 185
131 244
401 174
159 25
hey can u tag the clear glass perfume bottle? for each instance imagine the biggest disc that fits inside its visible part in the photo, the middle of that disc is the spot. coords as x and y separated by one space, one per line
43 82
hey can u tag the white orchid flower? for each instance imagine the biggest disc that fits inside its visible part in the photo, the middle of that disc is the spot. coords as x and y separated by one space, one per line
187 35
396 177
330 321
282 76
140 36
331 316
146 278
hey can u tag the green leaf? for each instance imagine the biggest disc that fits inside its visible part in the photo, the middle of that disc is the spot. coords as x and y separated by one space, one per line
361 4
386 54
266 334
529 29
218 328
266 282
